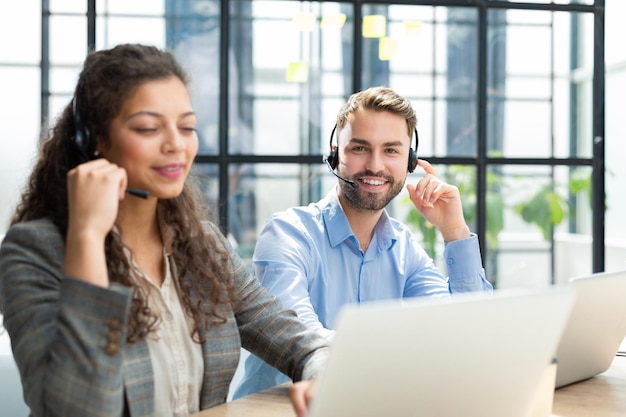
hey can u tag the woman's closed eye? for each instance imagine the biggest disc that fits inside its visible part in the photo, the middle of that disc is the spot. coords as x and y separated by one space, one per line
146 130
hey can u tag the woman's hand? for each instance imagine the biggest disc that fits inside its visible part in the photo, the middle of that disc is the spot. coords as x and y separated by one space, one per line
301 393
94 190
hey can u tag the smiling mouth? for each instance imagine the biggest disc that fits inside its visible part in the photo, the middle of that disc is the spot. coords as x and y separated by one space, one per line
371 181
171 171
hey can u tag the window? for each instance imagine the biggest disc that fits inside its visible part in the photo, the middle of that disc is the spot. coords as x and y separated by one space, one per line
509 98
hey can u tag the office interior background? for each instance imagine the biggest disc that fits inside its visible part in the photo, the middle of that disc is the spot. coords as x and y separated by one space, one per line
517 104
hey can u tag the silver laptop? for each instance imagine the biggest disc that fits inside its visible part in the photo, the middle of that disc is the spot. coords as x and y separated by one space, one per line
595 329
472 356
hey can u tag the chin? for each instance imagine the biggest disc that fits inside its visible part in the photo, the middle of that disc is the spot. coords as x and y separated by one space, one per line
166 194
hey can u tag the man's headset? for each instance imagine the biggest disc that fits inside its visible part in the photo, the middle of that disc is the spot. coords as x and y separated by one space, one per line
333 157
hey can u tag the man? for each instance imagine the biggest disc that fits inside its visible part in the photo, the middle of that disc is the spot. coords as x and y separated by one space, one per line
345 248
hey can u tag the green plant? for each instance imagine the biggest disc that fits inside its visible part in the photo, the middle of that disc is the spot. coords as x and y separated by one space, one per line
546 208
464 178
542 207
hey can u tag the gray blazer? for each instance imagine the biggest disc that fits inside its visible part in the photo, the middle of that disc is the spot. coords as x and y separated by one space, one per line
69 337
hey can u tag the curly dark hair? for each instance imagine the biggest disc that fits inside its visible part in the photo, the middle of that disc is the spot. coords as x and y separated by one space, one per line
107 80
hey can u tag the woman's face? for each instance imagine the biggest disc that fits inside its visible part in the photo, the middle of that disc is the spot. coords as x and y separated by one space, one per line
154 137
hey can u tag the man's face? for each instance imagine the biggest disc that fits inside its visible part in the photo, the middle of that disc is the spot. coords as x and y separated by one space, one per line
374 153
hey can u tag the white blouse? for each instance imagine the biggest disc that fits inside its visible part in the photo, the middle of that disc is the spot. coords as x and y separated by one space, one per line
177 360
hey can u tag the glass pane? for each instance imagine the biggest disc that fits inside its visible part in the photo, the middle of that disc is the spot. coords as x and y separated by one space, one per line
538 106
63 80
289 73
615 222
428 54
259 190
193 33
27 48
137 7
614 32
113 31
527 136
68 39
19 106
552 1
272 138
537 217
57 104
68 6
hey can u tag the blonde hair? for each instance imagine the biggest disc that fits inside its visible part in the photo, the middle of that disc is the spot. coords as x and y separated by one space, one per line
378 99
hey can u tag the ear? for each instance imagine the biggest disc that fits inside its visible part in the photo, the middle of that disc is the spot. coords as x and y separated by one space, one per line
101 147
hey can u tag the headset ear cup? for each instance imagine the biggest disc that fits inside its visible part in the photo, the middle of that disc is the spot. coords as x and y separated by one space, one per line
412 160
83 137
332 158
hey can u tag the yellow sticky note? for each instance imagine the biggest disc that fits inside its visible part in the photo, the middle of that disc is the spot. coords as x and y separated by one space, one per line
387 49
333 21
374 26
297 72
305 22
412 29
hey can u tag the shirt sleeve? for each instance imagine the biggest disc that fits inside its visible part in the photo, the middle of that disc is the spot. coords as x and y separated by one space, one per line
465 271
283 268
464 263
271 332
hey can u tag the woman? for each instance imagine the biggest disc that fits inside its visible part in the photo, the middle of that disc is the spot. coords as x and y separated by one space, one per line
118 304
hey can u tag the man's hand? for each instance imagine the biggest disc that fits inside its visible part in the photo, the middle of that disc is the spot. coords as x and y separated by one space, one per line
439 203
301 393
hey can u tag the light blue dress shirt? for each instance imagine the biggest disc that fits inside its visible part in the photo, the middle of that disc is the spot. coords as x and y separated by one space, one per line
310 259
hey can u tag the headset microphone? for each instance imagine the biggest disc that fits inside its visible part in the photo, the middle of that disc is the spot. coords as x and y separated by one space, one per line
351 183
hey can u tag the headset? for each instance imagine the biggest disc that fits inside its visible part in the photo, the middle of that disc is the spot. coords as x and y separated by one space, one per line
84 138
333 157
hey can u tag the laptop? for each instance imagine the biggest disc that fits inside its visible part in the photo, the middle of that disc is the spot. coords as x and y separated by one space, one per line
596 327
474 355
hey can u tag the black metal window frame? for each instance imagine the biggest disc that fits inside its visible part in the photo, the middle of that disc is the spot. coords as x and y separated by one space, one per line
223 159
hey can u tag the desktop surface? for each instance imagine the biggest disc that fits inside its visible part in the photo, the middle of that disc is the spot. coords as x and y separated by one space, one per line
603 395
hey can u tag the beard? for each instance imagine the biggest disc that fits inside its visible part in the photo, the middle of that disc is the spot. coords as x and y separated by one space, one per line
366 201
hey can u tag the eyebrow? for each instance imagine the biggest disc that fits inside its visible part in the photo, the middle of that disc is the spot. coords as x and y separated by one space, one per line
386 144
158 115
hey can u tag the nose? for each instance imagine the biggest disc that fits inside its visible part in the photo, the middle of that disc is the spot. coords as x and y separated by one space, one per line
174 140
375 162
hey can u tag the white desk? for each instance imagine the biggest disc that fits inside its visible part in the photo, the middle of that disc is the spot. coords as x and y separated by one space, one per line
601 396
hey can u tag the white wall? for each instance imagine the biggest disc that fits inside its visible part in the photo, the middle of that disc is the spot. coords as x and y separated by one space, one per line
615 128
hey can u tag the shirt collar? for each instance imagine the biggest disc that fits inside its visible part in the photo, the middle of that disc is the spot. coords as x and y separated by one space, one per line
338 227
